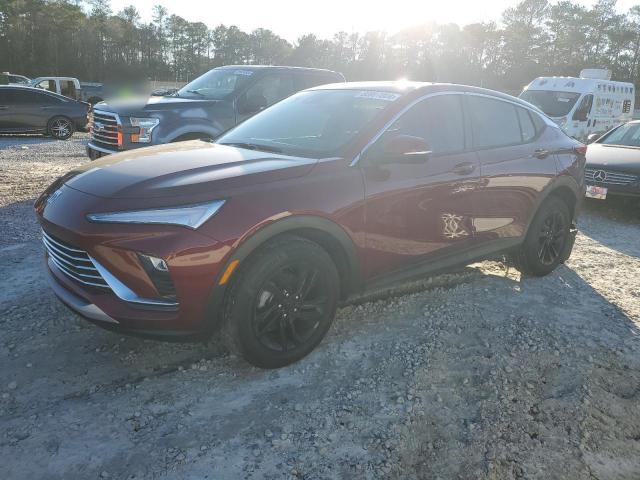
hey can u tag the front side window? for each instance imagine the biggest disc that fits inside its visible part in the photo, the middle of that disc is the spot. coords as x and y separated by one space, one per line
554 104
316 124
438 120
582 112
627 135
494 122
216 84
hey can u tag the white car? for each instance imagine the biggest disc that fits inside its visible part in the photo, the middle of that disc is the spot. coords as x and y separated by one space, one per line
592 103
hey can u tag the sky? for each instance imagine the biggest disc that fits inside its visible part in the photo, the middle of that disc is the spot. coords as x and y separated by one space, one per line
291 18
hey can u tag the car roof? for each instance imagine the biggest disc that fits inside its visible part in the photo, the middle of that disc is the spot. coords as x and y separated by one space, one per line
417 89
34 89
278 67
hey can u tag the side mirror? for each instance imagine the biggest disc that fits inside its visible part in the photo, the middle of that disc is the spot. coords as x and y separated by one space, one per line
404 149
251 104
592 138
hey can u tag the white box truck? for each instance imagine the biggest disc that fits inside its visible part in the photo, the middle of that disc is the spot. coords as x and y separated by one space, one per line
592 103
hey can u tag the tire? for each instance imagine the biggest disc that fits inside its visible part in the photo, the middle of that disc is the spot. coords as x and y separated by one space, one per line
282 302
548 238
61 128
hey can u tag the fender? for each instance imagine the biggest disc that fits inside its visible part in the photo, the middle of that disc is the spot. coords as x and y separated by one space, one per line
563 181
303 225
192 129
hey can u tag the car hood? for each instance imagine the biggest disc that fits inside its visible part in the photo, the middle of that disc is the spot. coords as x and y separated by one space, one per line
152 104
619 158
182 169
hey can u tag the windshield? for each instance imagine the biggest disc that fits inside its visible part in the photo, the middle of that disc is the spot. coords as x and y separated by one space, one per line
316 124
216 84
554 104
627 135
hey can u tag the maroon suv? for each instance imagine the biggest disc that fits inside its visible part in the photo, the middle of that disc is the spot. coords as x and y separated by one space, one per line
335 190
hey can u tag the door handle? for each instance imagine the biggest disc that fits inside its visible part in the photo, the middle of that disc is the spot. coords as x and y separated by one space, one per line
465 168
541 153
3 107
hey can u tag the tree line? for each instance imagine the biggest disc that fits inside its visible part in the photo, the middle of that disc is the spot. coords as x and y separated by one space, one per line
86 39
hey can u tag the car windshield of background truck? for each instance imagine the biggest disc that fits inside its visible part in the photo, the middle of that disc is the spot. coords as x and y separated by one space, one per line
216 84
554 104
626 135
316 124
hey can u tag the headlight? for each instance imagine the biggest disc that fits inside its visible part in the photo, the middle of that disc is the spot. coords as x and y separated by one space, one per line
191 216
145 127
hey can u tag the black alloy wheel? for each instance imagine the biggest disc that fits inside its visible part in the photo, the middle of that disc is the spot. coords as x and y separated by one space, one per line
282 301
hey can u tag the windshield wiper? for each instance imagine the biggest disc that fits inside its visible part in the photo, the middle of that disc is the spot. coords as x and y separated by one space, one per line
196 92
253 146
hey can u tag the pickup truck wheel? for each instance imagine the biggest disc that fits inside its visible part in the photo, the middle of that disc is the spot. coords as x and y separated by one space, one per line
547 239
282 302
60 128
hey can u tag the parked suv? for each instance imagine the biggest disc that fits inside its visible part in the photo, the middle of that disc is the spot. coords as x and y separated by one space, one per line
202 109
332 191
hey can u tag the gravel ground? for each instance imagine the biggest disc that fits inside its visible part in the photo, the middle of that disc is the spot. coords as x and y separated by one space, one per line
475 375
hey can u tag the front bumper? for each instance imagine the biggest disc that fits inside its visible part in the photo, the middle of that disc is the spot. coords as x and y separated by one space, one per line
94 152
194 261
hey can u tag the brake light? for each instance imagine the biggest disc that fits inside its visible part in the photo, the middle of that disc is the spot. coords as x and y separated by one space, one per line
580 150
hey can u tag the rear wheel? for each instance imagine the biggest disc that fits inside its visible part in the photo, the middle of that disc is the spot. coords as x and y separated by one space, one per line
545 246
282 302
60 128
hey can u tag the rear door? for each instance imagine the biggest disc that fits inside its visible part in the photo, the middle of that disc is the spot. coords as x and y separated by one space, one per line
6 103
22 110
516 164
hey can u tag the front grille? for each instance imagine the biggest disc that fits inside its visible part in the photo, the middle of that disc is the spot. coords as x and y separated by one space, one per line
104 129
598 175
72 261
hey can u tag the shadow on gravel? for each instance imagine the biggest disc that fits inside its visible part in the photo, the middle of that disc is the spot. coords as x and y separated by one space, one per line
478 374
602 221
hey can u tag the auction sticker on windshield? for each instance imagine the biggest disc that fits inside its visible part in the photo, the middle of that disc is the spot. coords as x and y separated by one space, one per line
388 96
247 73
596 192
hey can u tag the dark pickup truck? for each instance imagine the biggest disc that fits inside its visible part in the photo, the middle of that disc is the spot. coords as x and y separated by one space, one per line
202 109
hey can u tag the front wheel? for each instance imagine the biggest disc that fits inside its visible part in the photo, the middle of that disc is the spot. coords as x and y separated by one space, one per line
548 239
60 128
283 302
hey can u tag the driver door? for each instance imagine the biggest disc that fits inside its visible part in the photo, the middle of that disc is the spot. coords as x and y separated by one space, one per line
582 122
418 211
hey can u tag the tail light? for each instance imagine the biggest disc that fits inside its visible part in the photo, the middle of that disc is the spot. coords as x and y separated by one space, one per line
580 150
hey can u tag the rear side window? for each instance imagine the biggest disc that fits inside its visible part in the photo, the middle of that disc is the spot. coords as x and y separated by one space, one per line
494 123
527 127
439 120
18 97
307 79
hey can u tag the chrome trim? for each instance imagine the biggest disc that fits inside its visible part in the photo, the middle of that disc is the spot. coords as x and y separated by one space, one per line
101 149
125 293
387 125
78 305
77 250
109 281
611 177
52 245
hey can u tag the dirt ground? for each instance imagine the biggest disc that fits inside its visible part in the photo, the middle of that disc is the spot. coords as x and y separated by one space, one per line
475 375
